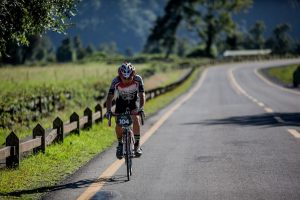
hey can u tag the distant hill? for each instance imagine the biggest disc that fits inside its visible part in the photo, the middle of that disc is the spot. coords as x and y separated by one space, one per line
125 22
272 12
128 22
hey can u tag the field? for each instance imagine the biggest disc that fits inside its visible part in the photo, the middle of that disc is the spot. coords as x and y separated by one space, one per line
86 84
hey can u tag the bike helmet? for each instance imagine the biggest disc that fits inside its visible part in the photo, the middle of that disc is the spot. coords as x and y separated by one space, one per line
126 70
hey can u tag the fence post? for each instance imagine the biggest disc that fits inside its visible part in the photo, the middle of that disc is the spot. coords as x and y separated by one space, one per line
75 118
157 92
89 114
13 160
99 108
40 104
59 126
39 131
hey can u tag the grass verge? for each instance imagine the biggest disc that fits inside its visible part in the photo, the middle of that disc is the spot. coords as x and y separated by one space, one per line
38 174
282 74
161 101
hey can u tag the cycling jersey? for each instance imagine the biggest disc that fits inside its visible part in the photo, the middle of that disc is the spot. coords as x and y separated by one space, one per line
126 95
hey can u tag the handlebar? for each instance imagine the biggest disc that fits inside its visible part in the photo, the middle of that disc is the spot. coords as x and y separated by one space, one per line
141 114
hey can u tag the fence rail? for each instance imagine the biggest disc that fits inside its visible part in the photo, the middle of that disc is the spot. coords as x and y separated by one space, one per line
161 90
43 138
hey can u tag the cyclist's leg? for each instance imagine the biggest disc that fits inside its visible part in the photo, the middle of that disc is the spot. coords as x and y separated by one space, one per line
137 135
119 132
136 126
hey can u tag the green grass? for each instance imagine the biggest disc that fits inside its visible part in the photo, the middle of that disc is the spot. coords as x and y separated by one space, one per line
162 79
284 74
70 75
161 101
61 160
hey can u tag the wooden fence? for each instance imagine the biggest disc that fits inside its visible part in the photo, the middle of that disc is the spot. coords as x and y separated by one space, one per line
42 138
161 90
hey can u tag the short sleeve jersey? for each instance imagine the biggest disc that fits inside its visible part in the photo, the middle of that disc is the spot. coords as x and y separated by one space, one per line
127 95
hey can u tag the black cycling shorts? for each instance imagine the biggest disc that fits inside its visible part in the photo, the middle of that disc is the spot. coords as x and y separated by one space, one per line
122 106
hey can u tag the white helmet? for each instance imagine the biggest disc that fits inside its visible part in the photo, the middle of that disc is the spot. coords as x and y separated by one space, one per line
126 70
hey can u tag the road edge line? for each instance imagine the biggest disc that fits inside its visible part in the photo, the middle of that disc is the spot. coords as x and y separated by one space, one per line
273 84
95 187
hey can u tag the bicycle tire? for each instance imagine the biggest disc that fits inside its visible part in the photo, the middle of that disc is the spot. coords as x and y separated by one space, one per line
128 158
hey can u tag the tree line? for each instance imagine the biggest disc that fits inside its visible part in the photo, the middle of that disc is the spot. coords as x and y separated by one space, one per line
22 24
212 22
41 50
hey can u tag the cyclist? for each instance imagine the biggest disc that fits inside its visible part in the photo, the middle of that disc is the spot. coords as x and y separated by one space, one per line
128 87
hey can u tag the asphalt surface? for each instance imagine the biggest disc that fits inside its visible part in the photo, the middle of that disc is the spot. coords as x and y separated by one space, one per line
230 140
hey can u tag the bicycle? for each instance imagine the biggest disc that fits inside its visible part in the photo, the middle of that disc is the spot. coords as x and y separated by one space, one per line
125 121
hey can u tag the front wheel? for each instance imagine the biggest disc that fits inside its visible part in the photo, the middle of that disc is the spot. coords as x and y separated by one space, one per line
128 157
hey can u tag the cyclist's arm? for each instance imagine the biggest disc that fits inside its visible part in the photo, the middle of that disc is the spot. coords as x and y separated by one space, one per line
109 102
111 93
142 99
141 90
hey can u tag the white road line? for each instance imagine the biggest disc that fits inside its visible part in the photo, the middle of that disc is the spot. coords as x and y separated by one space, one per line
273 84
111 170
236 86
268 110
294 132
232 83
261 104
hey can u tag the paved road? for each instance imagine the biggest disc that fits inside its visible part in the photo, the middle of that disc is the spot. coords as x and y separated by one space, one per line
234 138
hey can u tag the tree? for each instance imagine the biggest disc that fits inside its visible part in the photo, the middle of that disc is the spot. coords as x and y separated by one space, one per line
20 19
182 46
234 41
128 52
109 48
15 54
163 35
90 49
255 38
297 48
213 18
79 49
66 52
39 48
209 18
280 42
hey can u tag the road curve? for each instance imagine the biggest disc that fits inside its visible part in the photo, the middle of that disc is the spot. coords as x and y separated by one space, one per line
233 137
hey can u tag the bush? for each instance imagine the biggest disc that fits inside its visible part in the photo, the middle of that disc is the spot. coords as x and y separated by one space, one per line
296 77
